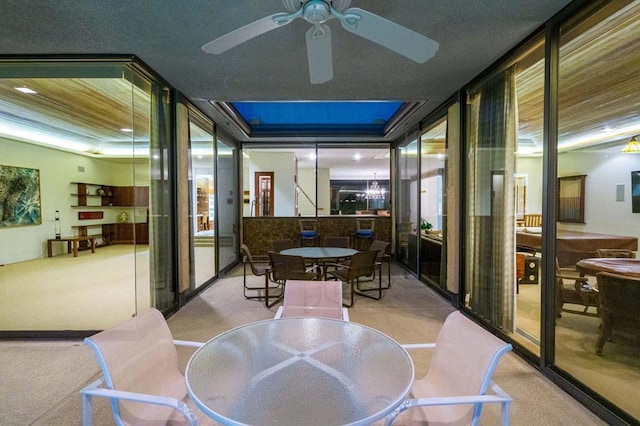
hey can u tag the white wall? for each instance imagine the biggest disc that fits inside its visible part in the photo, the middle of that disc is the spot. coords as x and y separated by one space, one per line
57 170
532 167
283 166
603 214
604 170
307 182
324 191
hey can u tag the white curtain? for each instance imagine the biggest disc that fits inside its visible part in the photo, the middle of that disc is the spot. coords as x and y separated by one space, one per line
490 247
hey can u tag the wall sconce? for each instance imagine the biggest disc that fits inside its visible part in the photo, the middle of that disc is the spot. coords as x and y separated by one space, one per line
632 147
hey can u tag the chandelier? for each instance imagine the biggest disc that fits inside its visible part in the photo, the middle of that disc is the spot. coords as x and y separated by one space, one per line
375 192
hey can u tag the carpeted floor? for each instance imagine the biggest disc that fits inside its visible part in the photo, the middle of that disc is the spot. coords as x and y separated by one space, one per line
40 380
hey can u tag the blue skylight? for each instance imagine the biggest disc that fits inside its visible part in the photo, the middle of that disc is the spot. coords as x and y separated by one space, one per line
317 117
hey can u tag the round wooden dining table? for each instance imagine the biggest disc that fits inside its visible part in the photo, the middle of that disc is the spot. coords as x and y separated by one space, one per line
620 266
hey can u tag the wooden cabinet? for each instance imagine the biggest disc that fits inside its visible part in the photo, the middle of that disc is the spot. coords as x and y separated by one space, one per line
93 195
129 233
115 233
98 195
137 196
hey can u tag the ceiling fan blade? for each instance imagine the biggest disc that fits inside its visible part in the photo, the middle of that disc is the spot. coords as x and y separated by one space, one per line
242 34
319 54
386 33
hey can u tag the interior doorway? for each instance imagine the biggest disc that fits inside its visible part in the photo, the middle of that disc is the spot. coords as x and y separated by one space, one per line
264 184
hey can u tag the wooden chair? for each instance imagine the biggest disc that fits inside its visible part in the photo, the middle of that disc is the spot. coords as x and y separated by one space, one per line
617 253
313 299
578 292
459 380
361 265
620 298
520 266
532 220
285 268
140 374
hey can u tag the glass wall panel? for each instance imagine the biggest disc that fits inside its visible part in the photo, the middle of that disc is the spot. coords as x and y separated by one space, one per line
227 204
76 173
310 181
407 219
202 200
528 193
279 180
598 108
358 178
162 221
433 144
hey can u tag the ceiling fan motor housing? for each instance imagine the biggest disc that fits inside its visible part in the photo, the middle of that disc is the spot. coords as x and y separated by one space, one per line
316 12
295 5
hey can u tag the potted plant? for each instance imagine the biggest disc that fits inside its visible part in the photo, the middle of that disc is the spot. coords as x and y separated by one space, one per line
425 226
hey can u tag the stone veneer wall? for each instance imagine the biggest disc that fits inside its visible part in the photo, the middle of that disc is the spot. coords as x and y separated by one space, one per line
257 232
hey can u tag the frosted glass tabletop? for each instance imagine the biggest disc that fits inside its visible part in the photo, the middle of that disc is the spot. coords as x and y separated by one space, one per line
320 252
299 371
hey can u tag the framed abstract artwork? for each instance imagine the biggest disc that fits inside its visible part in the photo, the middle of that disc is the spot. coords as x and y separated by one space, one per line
19 197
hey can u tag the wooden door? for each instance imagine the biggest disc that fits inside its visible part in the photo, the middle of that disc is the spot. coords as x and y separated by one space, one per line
264 184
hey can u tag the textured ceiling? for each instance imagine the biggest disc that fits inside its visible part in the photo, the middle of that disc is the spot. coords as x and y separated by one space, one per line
167 35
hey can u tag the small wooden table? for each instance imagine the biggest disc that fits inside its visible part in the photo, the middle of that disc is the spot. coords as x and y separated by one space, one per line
73 243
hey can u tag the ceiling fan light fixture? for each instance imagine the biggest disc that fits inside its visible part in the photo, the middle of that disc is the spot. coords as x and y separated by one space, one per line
632 147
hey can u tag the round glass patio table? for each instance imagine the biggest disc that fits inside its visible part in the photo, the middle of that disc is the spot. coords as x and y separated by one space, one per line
320 255
320 252
299 371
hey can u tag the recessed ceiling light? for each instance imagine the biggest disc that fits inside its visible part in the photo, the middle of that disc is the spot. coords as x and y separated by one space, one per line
25 90
127 130
357 157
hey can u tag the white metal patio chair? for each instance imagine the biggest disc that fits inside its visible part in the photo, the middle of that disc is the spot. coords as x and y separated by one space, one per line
313 299
458 383
140 371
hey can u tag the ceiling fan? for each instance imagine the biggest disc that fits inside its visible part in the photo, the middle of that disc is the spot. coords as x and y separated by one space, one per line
379 30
